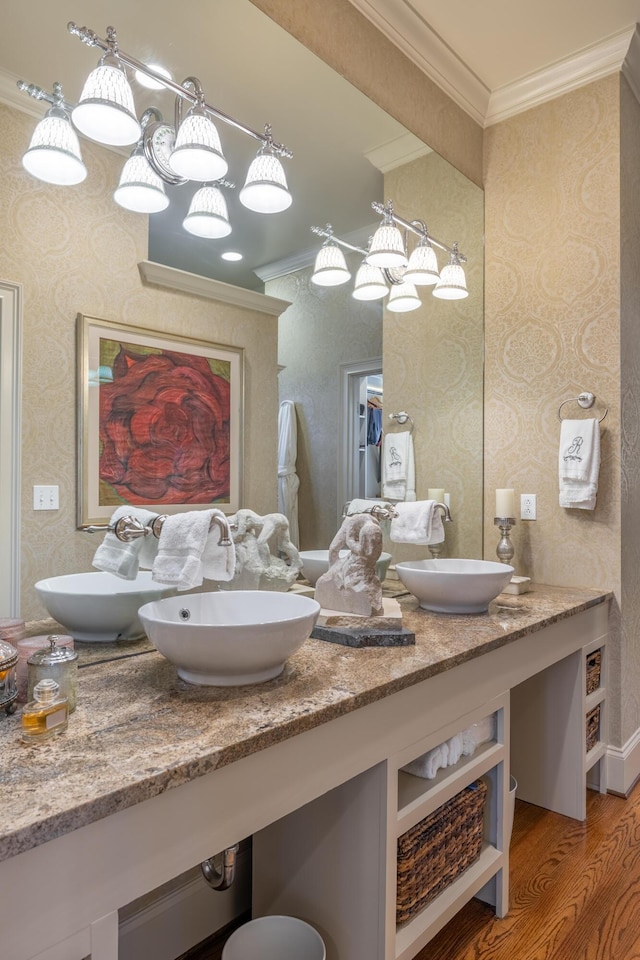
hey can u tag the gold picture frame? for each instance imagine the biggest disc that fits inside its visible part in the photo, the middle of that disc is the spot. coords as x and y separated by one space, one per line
160 421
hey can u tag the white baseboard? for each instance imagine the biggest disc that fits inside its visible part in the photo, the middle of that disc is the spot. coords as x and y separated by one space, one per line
623 765
180 914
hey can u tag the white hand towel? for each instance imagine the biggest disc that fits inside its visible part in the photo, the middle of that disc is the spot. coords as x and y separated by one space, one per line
417 522
218 560
455 749
468 742
398 467
429 763
125 559
579 463
180 549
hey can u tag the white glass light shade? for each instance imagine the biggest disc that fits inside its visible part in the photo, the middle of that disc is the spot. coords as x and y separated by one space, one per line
265 189
208 216
369 283
387 247
105 111
403 297
330 268
197 154
423 265
54 152
452 284
140 189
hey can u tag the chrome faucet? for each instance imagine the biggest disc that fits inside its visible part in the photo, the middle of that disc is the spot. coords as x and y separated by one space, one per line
435 549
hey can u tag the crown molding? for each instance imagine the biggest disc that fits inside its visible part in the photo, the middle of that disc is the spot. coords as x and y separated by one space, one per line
592 63
395 153
423 46
157 274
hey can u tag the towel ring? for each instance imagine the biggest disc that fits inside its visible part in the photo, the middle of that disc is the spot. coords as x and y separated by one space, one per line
585 400
402 418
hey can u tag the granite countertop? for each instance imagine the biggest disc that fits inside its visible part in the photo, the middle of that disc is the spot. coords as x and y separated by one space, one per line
139 730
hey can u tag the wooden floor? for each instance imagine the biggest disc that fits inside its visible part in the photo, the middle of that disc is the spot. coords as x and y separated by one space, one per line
575 892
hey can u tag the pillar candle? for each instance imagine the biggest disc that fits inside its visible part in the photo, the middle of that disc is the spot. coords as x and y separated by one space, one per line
436 493
505 503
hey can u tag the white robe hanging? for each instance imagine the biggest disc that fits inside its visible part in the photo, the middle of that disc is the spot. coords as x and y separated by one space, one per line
288 480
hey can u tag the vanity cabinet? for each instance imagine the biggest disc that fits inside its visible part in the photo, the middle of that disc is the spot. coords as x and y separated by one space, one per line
295 865
314 774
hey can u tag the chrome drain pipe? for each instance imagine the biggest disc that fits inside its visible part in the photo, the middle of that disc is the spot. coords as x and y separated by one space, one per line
221 877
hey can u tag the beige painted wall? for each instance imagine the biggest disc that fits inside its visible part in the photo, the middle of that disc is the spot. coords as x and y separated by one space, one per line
74 250
552 182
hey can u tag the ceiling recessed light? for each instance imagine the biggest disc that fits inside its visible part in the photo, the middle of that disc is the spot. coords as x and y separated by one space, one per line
148 82
231 255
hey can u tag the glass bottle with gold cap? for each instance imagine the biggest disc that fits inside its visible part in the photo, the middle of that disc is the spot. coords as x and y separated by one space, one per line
47 714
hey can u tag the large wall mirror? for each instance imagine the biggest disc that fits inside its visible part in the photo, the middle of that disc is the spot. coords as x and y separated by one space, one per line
347 153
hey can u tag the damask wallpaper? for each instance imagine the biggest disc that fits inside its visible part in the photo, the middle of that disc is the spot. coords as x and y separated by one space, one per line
74 250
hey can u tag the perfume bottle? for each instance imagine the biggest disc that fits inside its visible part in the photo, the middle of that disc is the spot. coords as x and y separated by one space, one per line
47 715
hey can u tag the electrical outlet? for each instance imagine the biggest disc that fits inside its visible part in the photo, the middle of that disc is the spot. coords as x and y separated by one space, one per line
527 506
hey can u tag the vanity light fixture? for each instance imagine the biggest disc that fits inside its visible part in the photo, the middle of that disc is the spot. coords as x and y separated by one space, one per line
190 149
330 268
54 152
387 265
208 216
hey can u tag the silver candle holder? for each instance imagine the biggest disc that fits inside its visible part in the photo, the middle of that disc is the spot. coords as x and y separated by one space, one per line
505 549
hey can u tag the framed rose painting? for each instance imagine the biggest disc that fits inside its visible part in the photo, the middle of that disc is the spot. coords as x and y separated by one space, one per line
159 421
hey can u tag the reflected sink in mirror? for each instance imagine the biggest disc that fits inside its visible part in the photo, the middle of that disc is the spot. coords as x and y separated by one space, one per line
229 638
316 562
454 586
97 607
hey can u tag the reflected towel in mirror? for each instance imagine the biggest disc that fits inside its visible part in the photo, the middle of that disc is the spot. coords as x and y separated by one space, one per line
417 522
124 560
398 467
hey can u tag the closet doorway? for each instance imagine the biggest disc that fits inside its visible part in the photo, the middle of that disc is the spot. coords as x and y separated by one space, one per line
361 431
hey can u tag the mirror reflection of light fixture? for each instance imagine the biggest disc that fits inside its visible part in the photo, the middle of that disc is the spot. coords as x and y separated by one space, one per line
330 268
190 149
403 297
452 284
208 216
54 154
369 283
420 268
387 246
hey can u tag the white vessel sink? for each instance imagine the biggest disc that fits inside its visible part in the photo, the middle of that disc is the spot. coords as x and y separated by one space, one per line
454 586
316 562
99 607
229 637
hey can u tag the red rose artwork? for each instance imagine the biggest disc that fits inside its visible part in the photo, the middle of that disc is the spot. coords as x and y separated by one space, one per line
164 427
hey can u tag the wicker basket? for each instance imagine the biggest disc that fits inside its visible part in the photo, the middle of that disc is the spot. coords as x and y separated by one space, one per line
594 666
593 727
434 852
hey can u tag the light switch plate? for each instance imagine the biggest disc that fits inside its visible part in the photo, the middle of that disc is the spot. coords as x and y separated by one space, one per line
46 498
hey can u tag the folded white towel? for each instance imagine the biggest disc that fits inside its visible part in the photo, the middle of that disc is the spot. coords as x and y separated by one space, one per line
398 467
417 523
180 549
125 559
579 463
454 745
478 733
218 560
363 506
429 763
